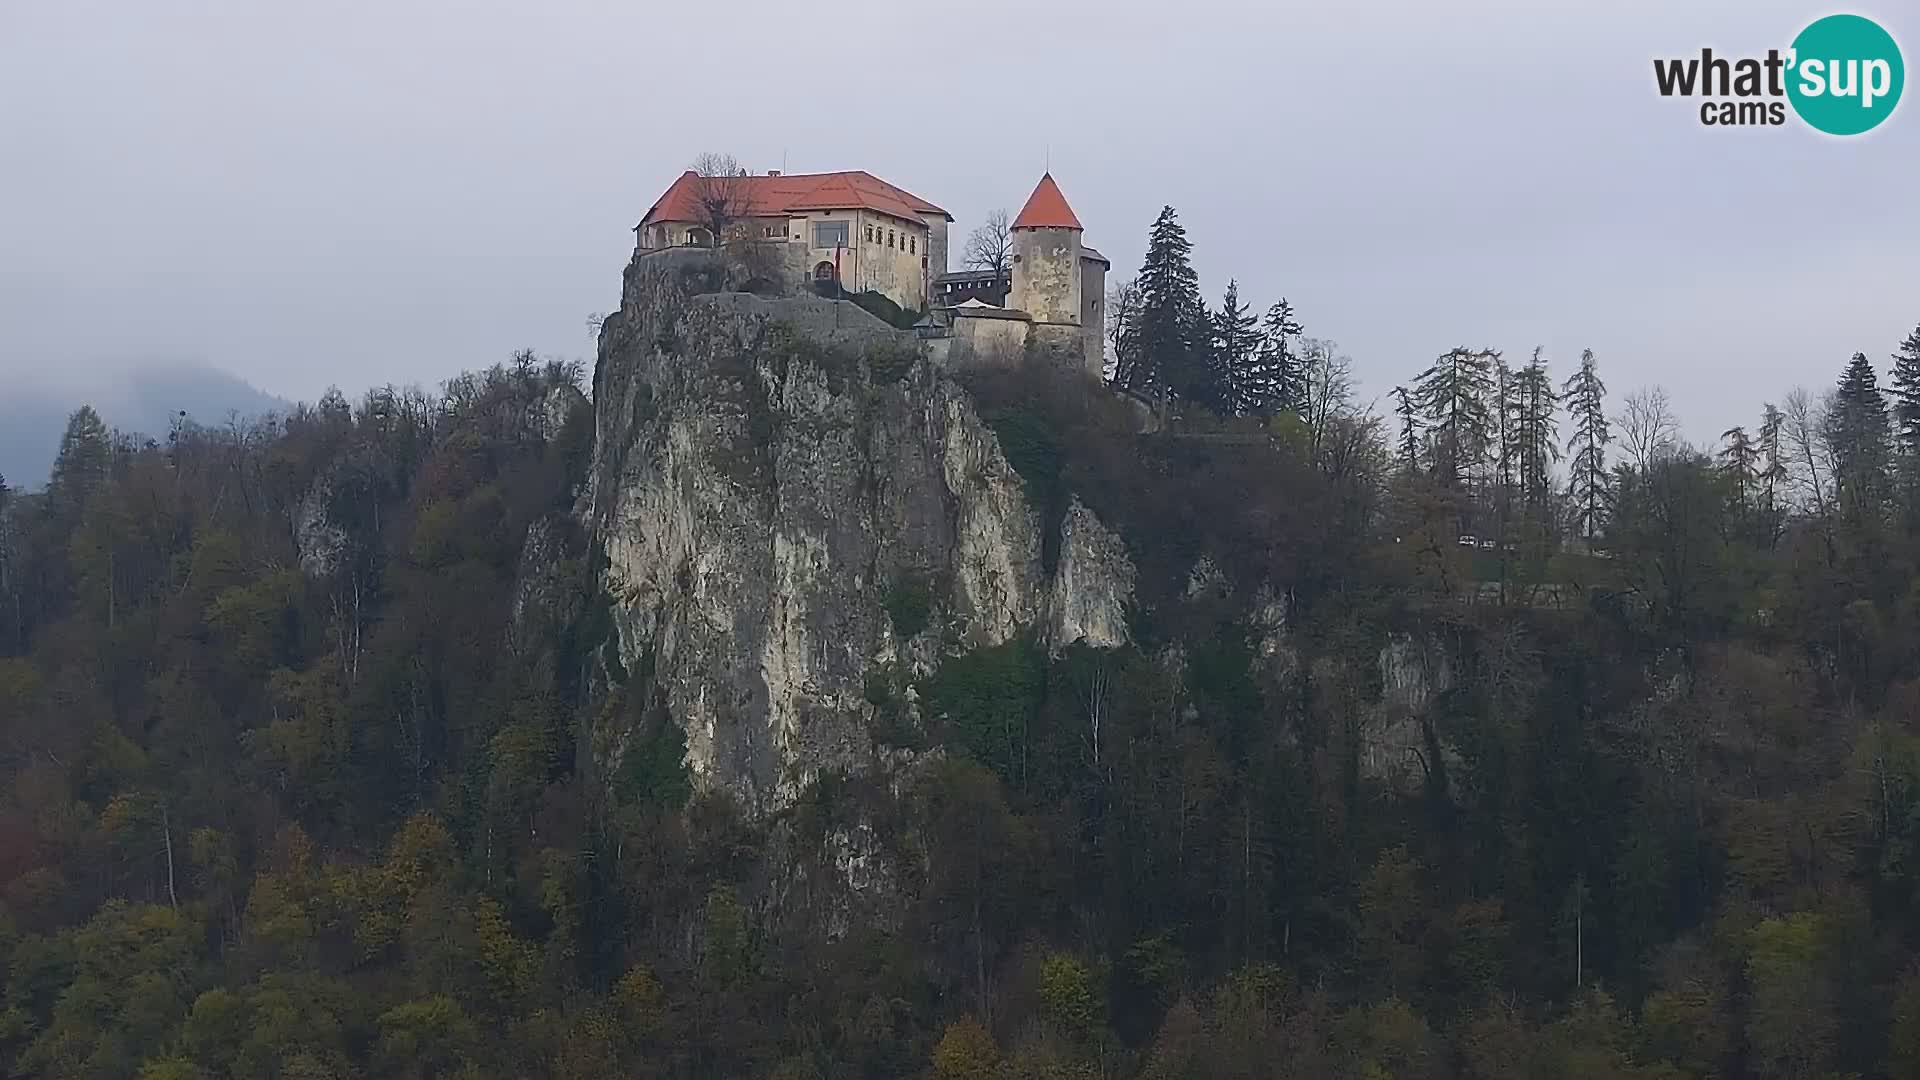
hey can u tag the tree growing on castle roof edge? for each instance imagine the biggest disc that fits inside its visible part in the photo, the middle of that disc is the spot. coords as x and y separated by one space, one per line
720 193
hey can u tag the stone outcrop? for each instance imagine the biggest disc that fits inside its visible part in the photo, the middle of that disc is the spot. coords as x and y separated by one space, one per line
785 496
1400 739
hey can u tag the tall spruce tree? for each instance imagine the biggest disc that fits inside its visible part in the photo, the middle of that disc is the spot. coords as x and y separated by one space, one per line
1506 429
1773 464
1858 435
1906 395
1587 481
1235 354
1535 442
1457 397
1280 369
1171 333
1740 464
1906 423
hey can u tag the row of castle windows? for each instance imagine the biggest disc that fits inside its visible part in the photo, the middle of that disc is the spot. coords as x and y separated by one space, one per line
908 242
828 234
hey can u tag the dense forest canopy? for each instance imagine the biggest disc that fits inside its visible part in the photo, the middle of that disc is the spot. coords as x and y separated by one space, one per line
295 785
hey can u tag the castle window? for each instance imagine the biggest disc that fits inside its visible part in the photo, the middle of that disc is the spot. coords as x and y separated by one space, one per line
869 234
913 244
889 237
828 234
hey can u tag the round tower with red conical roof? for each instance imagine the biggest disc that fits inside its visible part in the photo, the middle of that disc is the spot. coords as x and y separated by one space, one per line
1046 257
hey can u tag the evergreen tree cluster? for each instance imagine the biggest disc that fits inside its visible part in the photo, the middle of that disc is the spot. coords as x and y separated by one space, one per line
1232 361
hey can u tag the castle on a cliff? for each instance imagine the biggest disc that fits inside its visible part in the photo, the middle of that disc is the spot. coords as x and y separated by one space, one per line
860 232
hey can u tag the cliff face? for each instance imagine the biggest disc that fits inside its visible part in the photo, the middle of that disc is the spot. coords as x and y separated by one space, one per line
788 496
1401 736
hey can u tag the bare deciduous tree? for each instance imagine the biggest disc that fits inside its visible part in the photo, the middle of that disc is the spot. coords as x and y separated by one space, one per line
1328 393
1123 306
1649 431
990 245
720 190
1808 457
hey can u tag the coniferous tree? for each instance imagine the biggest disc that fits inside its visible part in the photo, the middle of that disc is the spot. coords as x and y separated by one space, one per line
1457 396
1587 484
1773 465
1906 421
1740 464
1906 395
1857 434
1280 369
1506 431
6 554
1170 353
80 466
1235 354
1536 445
1409 430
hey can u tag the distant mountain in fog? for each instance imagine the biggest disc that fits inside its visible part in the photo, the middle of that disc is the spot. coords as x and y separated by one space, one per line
143 400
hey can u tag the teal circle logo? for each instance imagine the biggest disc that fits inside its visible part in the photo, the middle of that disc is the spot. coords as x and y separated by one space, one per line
1845 75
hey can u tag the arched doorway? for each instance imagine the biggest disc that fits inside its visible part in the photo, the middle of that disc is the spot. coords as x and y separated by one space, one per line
824 273
699 238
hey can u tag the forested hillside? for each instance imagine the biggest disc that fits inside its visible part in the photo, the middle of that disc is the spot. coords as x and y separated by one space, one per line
300 727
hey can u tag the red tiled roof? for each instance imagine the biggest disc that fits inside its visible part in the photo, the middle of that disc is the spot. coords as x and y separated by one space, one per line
1046 208
768 196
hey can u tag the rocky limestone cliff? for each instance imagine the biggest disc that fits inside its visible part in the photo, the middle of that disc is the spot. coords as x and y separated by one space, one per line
1400 736
786 495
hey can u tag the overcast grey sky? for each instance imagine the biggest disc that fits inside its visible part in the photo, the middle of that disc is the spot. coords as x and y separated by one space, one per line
360 192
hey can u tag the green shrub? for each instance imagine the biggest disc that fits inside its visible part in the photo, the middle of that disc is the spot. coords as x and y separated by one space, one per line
909 603
889 362
882 307
990 698
1032 446
653 770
